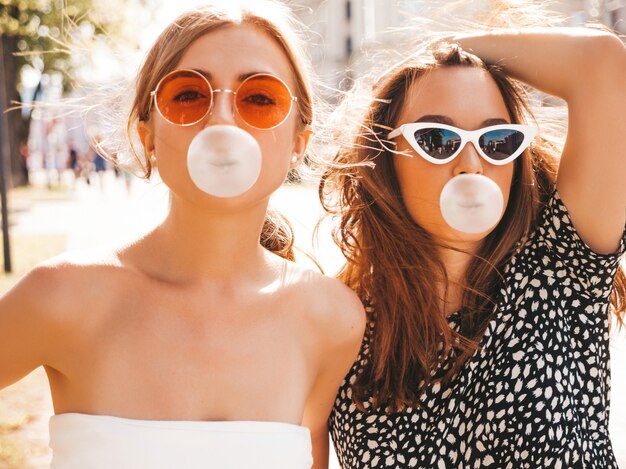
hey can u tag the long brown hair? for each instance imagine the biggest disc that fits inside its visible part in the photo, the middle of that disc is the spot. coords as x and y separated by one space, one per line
392 261
272 18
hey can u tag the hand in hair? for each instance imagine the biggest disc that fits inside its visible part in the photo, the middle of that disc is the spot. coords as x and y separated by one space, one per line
587 68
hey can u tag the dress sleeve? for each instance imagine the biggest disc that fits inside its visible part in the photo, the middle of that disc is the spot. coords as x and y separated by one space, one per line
594 271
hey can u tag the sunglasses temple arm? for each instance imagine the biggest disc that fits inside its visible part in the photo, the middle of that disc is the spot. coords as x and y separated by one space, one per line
395 133
152 98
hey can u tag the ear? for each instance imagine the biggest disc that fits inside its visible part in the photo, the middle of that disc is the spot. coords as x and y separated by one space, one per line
146 135
300 145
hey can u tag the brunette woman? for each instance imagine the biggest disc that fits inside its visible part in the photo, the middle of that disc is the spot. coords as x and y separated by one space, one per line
488 341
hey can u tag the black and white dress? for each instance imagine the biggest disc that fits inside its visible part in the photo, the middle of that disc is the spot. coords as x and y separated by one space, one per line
534 395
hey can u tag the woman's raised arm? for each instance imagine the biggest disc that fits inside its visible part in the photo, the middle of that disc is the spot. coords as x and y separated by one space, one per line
587 68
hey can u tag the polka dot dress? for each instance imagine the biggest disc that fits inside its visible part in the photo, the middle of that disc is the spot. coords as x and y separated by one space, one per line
536 393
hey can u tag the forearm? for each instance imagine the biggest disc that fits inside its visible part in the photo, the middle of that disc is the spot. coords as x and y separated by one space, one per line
558 61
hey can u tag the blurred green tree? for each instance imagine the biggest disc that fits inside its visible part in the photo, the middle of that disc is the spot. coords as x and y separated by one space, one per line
44 36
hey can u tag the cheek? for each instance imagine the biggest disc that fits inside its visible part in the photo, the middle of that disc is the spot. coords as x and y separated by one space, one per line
503 177
172 141
276 147
171 145
421 184
419 180
275 144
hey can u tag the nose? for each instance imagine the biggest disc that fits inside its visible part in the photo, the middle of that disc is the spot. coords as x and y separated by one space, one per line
468 161
222 108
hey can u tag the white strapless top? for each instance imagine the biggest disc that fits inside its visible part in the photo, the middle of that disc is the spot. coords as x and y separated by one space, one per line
83 441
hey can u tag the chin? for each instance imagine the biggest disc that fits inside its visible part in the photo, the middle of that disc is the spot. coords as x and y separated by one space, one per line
448 234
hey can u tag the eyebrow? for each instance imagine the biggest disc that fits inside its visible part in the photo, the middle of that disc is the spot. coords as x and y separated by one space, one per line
448 121
240 78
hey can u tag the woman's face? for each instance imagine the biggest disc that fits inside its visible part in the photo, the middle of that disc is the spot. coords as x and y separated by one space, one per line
227 56
467 98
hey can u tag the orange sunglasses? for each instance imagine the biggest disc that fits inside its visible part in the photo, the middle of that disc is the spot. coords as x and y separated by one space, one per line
184 97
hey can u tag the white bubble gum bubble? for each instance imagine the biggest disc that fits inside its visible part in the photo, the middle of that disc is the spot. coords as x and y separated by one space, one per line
471 203
224 161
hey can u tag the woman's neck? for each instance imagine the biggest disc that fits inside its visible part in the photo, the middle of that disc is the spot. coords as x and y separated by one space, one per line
456 263
196 243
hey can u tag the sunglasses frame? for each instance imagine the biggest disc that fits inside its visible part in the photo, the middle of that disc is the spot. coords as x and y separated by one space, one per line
408 132
153 95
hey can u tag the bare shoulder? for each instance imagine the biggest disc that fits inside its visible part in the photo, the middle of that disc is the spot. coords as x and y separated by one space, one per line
64 284
46 313
333 309
77 265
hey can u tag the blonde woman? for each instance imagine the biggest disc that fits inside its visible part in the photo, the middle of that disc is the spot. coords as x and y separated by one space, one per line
203 345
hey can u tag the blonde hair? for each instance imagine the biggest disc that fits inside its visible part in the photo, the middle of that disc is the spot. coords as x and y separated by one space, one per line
274 19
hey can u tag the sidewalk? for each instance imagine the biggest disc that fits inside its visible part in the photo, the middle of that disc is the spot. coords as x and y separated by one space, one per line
94 217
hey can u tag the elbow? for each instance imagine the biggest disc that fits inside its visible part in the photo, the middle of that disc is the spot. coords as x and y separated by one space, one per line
608 59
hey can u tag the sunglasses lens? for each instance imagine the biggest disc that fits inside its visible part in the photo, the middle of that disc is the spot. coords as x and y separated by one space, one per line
500 144
263 101
183 97
437 143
